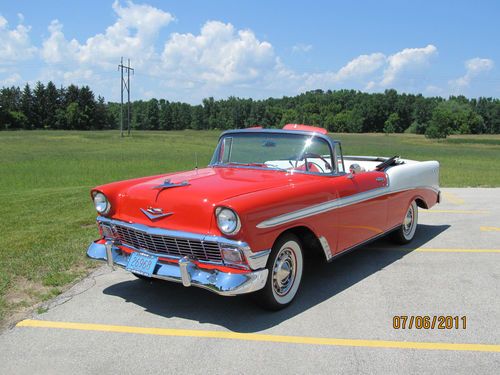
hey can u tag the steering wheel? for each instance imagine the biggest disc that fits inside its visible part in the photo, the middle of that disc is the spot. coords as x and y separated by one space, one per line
306 155
386 163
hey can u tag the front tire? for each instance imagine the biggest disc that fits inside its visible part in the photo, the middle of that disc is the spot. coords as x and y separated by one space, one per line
285 265
405 233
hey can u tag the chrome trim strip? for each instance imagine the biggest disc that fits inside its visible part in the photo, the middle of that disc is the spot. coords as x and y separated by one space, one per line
321 208
171 233
257 260
333 205
223 283
326 247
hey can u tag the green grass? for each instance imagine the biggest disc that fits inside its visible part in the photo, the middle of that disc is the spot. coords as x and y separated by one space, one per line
47 218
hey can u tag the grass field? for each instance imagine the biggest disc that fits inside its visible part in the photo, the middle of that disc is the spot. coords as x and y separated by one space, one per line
47 217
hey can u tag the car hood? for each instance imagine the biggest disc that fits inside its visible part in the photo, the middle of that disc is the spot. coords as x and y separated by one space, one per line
191 205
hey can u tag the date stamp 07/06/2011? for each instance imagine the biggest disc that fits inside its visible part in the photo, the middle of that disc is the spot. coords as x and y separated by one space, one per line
429 322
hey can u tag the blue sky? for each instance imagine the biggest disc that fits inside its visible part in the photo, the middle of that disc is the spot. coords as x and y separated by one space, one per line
188 50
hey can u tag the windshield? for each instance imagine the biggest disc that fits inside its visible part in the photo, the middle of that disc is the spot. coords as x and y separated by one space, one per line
275 151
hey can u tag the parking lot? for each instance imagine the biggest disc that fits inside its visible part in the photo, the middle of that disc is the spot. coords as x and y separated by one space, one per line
341 322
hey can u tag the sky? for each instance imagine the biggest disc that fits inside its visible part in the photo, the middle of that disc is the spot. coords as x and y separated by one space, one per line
189 50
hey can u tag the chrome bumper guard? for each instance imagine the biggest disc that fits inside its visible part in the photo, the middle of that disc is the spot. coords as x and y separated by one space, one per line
187 272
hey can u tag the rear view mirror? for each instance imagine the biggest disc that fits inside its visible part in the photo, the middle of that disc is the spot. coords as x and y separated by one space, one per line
268 143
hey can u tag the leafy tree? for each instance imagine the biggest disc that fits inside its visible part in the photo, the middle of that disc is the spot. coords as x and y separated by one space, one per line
153 115
392 123
27 106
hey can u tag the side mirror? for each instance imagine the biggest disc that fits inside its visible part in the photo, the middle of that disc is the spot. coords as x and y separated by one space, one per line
353 169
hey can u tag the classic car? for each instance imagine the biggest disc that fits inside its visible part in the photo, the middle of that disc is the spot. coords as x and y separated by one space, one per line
268 197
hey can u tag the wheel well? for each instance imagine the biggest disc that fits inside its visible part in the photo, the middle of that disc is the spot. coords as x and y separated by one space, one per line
307 238
421 203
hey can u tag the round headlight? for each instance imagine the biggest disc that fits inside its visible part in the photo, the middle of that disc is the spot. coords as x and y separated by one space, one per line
227 221
101 203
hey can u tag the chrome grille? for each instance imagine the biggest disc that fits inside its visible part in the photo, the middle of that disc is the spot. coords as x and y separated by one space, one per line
201 250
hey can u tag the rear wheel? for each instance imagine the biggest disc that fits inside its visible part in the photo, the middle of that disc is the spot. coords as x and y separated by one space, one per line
285 265
405 233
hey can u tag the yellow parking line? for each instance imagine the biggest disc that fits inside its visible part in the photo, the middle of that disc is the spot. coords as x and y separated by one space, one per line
489 229
452 198
466 212
260 337
430 250
439 250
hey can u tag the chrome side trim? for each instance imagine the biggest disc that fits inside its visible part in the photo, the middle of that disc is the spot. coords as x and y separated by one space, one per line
332 205
326 248
257 260
322 207
223 283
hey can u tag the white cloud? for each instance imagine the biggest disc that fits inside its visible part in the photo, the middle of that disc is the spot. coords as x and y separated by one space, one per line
301 48
406 59
473 68
220 54
361 66
56 48
133 35
15 44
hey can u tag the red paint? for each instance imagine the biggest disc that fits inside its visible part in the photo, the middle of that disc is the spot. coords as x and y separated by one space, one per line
305 128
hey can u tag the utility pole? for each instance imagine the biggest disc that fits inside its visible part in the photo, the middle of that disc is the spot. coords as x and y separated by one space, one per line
125 85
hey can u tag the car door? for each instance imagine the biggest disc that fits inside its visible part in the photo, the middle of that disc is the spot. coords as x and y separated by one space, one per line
362 212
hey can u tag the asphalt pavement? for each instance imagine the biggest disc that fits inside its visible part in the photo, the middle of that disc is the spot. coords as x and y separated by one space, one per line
341 322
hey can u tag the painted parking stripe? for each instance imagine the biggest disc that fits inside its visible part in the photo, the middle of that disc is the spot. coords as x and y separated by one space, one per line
452 198
437 250
260 337
489 229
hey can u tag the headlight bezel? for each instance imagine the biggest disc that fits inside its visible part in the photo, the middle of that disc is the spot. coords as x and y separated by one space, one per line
221 210
107 208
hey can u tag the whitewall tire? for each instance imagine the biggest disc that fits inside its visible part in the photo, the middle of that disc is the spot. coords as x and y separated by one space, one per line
405 233
285 265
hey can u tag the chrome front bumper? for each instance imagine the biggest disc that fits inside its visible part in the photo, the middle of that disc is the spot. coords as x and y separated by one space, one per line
187 272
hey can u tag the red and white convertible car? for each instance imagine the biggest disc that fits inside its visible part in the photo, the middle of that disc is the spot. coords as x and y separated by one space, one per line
244 223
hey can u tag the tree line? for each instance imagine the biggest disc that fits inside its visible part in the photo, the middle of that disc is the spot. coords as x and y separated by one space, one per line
77 108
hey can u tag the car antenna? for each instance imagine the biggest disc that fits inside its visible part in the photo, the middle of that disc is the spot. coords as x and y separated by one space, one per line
196 162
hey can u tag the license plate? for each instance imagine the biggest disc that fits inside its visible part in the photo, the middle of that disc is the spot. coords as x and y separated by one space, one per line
142 264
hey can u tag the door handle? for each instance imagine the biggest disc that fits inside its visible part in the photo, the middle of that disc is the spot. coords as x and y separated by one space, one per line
380 179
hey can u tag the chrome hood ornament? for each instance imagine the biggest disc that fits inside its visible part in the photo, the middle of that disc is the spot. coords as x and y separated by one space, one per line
169 184
154 213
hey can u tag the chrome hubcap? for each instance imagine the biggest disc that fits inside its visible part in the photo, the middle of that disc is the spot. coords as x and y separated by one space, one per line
284 272
408 221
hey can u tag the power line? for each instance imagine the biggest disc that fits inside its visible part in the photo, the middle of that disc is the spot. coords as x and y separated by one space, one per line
125 85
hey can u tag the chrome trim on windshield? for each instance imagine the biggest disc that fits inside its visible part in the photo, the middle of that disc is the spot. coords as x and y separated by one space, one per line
330 142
